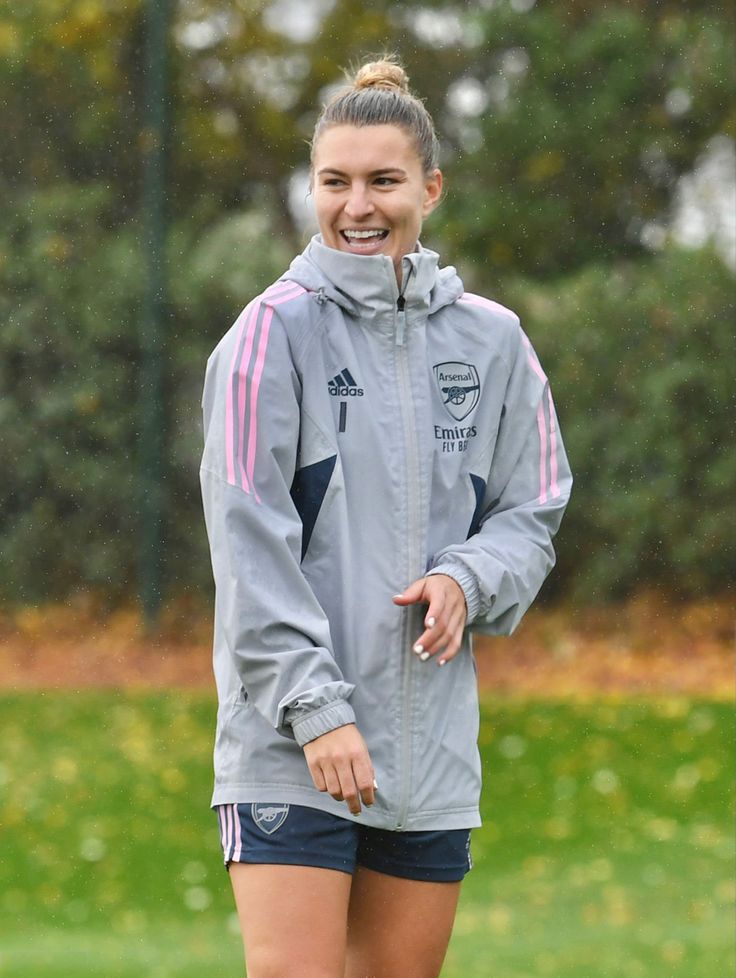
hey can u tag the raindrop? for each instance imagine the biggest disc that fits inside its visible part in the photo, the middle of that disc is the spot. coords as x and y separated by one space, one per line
515 62
467 97
512 746
225 122
299 22
92 849
678 101
605 781
197 898
436 28
653 236
687 777
194 872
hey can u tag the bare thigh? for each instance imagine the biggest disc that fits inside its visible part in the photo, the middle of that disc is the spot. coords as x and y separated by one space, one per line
398 928
293 919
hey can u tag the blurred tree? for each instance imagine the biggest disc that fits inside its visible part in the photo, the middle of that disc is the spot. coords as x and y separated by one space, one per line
70 76
67 374
574 124
642 358
70 299
566 126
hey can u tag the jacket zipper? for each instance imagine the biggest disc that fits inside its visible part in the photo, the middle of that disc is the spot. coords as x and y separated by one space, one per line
400 321
412 468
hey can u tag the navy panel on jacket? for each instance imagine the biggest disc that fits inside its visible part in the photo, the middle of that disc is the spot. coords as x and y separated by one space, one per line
308 492
479 485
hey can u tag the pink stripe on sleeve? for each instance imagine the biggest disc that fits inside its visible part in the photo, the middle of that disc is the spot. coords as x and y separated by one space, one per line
242 389
294 290
245 322
542 427
257 374
229 423
241 456
278 288
238 837
256 383
554 487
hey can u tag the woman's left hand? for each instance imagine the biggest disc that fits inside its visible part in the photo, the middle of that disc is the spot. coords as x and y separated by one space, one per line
444 621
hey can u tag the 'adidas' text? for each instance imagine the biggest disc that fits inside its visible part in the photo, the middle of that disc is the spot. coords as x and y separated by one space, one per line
344 385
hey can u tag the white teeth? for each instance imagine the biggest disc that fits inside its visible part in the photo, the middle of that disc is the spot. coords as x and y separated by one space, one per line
363 234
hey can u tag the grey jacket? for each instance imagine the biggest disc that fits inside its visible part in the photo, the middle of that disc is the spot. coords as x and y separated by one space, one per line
357 438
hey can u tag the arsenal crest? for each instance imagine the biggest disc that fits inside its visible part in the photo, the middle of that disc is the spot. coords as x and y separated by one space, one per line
459 386
268 818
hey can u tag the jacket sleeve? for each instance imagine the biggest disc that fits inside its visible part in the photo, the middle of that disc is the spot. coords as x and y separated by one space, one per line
267 614
502 566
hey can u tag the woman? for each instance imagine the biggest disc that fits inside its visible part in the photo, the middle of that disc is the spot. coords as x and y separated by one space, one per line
368 426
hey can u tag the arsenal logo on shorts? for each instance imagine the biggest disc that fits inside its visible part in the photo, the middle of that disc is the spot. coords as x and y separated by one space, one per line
459 386
268 818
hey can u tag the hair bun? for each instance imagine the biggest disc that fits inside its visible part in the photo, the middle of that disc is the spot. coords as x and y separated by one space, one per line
381 74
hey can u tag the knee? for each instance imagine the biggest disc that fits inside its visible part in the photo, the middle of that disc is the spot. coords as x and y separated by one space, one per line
274 963
372 965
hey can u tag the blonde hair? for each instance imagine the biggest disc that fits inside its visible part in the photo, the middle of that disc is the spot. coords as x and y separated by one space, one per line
378 94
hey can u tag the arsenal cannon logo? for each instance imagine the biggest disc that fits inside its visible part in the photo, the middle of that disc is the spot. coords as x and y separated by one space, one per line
268 818
459 386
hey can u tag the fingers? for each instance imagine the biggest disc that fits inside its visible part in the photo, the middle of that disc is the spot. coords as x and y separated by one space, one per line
348 784
443 640
341 766
444 620
412 594
364 779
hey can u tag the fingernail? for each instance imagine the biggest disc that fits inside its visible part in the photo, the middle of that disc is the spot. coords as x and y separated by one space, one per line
424 656
418 648
375 784
442 662
430 623
398 595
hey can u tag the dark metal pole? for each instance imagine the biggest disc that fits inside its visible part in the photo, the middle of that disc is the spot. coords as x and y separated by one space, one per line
152 327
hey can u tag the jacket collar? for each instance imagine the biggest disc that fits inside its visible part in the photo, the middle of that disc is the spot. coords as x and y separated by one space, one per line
366 286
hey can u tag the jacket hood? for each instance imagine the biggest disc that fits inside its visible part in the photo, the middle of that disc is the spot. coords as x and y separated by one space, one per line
366 286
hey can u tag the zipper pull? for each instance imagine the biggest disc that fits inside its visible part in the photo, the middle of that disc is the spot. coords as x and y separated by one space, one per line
400 320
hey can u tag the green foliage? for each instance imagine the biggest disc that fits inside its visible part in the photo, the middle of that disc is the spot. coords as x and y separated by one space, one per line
587 115
641 361
70 78
592 115
70 293
606 846
68 297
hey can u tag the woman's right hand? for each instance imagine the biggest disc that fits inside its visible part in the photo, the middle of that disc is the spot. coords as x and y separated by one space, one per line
340 764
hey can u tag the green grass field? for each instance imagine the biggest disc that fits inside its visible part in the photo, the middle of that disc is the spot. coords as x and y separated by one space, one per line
607 849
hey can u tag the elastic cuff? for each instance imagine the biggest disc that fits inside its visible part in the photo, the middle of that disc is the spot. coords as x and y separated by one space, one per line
467 581
324 720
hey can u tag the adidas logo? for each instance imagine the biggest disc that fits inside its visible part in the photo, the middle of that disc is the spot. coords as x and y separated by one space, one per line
344 385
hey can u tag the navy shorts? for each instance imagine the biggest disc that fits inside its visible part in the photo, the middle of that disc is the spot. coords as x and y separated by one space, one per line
295 835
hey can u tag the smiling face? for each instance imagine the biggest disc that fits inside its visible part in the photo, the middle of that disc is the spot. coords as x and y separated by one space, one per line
370 191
